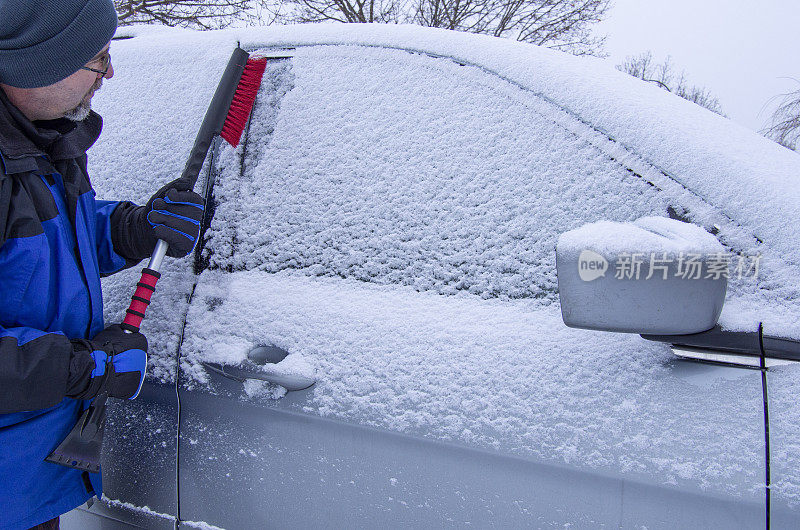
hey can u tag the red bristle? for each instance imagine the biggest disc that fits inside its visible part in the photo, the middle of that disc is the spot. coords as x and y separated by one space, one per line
243 100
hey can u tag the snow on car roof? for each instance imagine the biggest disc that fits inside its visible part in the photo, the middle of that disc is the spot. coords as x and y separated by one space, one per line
502 372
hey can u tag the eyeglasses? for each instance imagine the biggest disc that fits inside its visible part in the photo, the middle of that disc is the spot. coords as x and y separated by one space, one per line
105 64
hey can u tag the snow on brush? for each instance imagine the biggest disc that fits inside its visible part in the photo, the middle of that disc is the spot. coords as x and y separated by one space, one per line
497 374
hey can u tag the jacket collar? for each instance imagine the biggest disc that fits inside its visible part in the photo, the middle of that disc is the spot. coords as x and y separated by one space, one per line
21 140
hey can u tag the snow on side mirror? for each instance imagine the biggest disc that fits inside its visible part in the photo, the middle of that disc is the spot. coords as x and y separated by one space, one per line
654 275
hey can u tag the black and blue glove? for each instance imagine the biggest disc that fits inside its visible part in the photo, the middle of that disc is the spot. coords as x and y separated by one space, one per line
114 361
173 213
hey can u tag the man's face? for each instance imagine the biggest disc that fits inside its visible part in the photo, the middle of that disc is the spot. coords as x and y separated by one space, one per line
81 110
69 98
75 92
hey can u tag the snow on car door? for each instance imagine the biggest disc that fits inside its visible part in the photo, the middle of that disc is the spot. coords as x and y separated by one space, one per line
389 222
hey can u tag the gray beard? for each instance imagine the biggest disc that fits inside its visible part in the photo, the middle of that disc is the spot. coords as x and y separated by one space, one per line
79 113
84 108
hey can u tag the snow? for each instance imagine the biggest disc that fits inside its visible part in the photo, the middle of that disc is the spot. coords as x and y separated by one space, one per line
496 374
648 235
784 415
726 164
394 229
202 525
450 186
146 510
255 388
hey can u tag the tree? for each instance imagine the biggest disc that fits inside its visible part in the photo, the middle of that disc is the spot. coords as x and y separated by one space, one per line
663 75
201 14
353 11
785 121
560 24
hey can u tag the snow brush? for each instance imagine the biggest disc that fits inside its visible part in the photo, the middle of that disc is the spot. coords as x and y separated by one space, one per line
226 117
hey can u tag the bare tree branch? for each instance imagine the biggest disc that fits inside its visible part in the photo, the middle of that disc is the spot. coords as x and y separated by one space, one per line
785 122
663 75
560 24
201 14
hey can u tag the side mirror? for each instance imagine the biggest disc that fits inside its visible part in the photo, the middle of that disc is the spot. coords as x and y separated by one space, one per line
653 276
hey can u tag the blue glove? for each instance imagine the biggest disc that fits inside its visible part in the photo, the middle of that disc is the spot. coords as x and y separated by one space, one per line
173 213
174 216
114 361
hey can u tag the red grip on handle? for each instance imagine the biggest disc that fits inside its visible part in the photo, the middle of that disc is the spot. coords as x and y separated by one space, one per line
140 300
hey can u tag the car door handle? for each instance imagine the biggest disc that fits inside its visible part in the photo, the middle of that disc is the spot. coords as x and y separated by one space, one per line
250 370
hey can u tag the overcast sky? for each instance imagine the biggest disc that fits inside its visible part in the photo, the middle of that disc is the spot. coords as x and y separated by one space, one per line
738 49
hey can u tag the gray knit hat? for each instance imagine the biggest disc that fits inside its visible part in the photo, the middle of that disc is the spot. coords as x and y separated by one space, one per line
44 41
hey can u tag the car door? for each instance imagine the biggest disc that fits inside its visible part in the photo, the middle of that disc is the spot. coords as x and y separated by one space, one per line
389 222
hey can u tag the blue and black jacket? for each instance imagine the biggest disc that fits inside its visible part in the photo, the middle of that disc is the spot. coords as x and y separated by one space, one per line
56 241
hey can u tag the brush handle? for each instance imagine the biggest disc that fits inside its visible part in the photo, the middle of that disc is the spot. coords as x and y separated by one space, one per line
215 117
140 300
144 289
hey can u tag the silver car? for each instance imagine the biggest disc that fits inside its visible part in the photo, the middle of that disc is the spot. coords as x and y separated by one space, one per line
386 230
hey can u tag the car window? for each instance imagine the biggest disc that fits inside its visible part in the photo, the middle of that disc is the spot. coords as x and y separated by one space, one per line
397 168
460 183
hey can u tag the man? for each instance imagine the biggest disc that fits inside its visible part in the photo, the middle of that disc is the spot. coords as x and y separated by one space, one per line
56 241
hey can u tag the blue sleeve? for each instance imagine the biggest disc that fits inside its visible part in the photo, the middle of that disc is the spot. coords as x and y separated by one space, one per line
34 368
107 258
